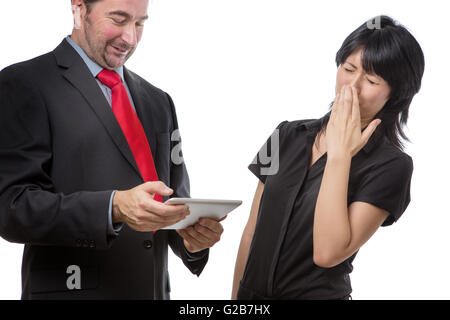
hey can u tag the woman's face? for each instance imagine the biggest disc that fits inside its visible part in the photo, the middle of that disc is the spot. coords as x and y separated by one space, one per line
373 91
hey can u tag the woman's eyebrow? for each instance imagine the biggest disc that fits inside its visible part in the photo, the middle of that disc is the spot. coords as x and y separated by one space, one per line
351 64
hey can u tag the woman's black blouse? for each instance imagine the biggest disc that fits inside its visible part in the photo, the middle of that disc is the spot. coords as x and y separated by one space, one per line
280 262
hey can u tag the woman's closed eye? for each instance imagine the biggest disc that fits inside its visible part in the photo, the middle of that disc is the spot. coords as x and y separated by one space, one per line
349 70
371 81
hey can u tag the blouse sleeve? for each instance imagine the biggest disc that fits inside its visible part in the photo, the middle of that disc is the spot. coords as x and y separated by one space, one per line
267 160
387 186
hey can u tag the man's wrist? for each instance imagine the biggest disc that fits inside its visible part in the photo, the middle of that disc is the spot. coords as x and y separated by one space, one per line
116 214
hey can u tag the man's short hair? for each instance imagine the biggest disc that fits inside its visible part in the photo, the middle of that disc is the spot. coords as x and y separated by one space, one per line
89 4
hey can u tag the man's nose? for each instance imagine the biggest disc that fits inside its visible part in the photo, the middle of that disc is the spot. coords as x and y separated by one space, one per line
129 35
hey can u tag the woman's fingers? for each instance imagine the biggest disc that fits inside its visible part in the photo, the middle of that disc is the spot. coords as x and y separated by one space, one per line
342 106
356 115
347 102
335 106
370 129
344 127
340 103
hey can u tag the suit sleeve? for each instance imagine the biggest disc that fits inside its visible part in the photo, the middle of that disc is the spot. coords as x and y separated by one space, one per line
179 182
31 210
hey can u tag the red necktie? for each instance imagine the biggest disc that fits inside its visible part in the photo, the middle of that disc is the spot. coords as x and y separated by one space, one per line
131 126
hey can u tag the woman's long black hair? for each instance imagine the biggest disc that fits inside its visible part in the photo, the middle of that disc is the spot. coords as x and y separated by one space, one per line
391 52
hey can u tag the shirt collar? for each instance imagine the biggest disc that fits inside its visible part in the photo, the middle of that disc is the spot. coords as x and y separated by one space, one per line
313 126
93 67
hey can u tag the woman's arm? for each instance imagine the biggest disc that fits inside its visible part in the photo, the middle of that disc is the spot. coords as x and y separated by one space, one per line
246 240
340 231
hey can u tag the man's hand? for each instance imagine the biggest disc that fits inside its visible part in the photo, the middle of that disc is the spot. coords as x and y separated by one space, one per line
204 234
139 211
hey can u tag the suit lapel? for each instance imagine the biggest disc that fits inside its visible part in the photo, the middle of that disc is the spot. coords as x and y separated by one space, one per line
79 76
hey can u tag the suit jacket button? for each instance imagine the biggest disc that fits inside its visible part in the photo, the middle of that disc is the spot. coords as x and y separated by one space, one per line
78 242
147 244
92 244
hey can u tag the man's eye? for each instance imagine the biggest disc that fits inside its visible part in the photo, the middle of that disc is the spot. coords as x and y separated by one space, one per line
371 82
118 21
348 70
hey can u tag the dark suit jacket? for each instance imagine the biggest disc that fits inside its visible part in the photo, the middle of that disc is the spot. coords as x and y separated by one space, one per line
62 153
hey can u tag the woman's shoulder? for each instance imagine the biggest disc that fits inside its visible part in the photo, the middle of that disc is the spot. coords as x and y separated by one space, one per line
286 130
395 157
295 124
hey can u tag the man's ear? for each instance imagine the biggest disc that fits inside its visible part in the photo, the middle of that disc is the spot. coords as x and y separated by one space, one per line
76 11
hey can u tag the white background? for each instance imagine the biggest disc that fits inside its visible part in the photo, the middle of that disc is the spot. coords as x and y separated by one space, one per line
237 68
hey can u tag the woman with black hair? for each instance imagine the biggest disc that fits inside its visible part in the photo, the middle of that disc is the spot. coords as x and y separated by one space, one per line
334 181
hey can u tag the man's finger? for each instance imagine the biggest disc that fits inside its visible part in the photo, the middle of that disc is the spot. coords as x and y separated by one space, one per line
208 235
189 234
149 218
162 209
211 224
158 187
203 235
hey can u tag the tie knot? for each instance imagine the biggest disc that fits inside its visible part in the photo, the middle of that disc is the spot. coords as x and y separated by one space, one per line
109 78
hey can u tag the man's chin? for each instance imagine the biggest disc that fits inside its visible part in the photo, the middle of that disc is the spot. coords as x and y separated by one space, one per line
115 62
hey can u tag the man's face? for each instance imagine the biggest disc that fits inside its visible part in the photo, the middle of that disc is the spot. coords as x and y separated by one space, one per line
112 31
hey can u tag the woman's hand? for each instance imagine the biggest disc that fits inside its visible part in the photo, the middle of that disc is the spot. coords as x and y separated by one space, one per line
343 136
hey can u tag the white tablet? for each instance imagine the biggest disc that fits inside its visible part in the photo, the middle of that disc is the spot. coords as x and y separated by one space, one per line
199 208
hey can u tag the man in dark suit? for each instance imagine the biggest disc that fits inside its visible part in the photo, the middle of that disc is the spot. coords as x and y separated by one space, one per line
72 186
